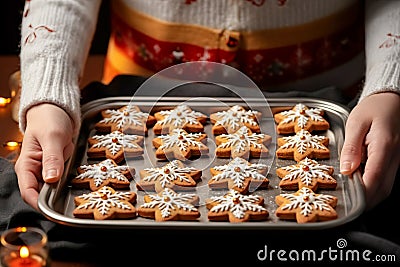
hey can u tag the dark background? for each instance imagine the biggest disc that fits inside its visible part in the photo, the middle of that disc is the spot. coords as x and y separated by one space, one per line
10 21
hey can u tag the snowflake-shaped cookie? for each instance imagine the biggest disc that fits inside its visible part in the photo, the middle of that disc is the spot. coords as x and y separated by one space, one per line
239 174
128 119
303 144
168 205
243 143
181 117
236 207
306 173
106 172
105 204
174 175
301 117
229 121
115 145
305 206
180 145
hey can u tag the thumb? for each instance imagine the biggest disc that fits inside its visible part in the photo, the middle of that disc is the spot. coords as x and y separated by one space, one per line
350 157
53 164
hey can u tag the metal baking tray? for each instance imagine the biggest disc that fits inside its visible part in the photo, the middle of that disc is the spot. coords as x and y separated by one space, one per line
56 201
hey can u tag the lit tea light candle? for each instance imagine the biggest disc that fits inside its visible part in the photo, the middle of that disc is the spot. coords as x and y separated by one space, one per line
4 101
24 247
12 145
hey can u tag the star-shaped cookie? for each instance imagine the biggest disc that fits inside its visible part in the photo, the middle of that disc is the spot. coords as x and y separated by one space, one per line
105 204
301 117
239 174
106 172
180 145
115 146
180 117
301 145
229 121
128 119
305 206
243 143
236 207
306 173
169 205
174 175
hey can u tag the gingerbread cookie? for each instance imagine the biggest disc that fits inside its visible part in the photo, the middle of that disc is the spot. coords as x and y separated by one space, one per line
306 173
301 145
180 145
105 204
229 121
239 174
301 117
243 143
127 119
115 146
174 175
168 205
305 206
106 172
235 207
181 117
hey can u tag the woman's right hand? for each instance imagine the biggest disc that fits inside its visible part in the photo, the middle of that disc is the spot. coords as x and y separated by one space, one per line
47 143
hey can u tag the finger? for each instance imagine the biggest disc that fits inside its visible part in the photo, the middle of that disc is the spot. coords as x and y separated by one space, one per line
53 162
350 156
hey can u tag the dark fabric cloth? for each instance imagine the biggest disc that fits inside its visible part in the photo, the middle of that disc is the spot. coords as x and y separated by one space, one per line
375 230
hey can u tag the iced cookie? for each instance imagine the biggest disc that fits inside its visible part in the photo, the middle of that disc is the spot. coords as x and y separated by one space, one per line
306 173
180 145
243 143
239 174
301 117
174 175
169 205
115 145
127 119
106 172
181 117
301 145
305 206
229 121
236 208
105 204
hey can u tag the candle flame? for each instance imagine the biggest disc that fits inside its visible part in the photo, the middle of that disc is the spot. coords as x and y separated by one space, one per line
4 101
24 252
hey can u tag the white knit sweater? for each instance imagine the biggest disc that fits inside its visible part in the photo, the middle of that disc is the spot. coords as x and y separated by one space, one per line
56 37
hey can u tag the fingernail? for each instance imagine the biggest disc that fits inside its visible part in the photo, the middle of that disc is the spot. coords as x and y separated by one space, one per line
345 166
50 175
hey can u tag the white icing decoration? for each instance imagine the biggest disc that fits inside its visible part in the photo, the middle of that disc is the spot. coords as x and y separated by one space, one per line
236 203
302 118
175 172
180 116
235 117
241 140
229 171
308 201
96 173
123 141
169 200
314 171
303 140
181 139
130 115
96 200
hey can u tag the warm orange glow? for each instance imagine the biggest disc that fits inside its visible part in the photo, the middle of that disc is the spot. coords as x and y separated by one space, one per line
21 229
12 144
4 101
24 252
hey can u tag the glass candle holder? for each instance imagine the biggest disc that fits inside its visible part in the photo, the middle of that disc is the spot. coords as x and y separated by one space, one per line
24 247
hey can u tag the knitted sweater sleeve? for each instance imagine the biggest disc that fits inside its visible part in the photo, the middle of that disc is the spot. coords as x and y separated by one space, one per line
382 34
55 41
